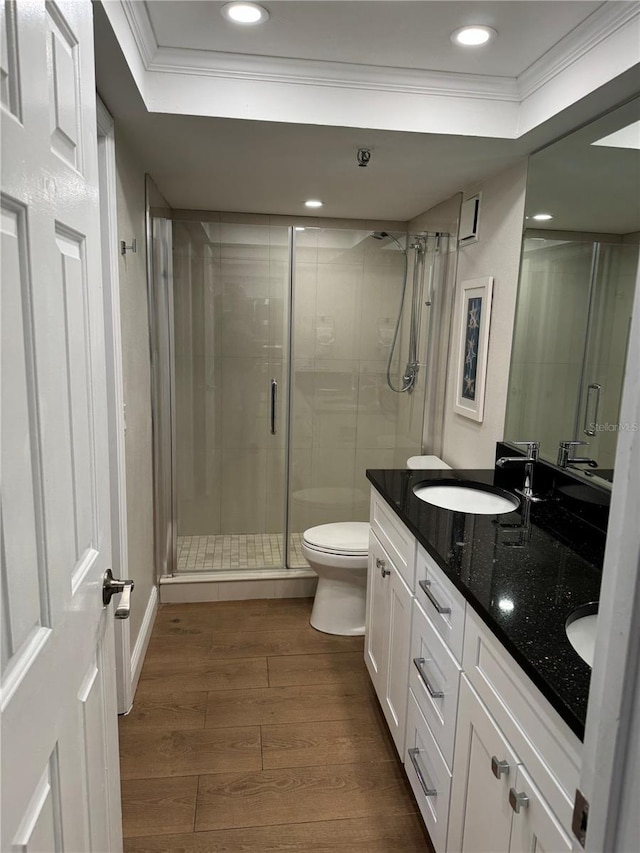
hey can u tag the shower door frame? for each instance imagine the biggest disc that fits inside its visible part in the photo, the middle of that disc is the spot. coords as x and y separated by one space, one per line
164 428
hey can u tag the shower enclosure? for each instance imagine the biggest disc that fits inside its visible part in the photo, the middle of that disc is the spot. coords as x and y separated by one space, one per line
572 327
279 339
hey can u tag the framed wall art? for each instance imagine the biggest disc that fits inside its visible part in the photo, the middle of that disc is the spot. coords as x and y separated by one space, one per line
474 317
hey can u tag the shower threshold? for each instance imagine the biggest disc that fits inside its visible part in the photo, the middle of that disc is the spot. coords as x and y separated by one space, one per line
235 552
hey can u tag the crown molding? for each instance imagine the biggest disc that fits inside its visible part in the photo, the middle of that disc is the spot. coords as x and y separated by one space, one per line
141 28
306 72
601 24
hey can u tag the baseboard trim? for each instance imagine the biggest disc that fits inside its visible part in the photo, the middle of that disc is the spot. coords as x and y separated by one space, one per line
144 635
236 586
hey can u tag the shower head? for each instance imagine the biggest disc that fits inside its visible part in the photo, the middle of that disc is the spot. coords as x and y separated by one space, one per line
379 235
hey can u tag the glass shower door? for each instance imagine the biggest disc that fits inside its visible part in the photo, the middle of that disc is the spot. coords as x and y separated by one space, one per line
231 295
344 418
605 357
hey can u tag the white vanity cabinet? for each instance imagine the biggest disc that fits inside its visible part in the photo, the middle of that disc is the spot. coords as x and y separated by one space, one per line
492 765
387 637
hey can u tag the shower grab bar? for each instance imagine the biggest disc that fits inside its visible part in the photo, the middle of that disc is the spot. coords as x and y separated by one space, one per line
274 403
589 427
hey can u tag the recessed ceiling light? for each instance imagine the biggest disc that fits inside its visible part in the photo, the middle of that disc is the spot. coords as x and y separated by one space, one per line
473 36
245 13
300 228
542 217
313 202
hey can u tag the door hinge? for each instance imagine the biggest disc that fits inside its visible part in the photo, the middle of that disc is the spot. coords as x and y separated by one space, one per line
580 817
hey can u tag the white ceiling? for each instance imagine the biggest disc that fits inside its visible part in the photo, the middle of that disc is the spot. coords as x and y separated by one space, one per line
413 34
220 162
265 167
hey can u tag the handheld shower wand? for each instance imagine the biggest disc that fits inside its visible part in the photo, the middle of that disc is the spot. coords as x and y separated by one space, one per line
411 371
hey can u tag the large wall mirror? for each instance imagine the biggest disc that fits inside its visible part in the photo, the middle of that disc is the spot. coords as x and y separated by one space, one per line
575 296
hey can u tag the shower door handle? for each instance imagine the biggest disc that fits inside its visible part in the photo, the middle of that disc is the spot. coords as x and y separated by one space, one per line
589 427
274 403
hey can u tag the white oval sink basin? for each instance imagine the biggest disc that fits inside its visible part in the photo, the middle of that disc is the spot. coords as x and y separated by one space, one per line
466 499
581 631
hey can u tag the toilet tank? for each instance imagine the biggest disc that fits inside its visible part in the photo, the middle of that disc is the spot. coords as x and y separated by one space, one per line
427 463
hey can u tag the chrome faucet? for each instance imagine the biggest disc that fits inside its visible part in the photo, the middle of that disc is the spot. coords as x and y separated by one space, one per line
533 451
566 460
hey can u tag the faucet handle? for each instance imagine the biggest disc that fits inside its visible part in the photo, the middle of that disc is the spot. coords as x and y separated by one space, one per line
533 448
564 451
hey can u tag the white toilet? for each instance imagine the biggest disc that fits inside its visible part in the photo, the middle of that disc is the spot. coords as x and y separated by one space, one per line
338 554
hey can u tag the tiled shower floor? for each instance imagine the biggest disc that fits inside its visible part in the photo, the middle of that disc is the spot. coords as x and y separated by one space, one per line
241 551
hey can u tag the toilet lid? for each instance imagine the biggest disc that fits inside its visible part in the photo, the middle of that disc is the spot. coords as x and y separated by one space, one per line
343 537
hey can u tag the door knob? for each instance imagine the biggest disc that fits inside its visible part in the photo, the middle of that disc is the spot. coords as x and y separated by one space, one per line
381 564
499 767
112 586
518 800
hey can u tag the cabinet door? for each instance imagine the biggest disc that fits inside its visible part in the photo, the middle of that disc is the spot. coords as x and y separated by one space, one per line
376 649
535 827
397 679
480 818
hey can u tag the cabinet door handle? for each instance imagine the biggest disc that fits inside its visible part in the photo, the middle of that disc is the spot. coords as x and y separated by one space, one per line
413 755
499 767
517 800
419 665
381 564
424 585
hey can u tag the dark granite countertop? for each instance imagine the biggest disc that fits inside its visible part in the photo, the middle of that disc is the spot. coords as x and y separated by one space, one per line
523 586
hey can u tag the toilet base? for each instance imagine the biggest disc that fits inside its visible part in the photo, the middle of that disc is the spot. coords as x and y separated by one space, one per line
339 605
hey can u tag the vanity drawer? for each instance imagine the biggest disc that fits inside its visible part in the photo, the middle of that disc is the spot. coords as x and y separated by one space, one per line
441 601
435 681
428 774
399 544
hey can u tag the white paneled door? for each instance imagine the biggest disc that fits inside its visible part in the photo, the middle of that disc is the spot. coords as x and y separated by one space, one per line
60 778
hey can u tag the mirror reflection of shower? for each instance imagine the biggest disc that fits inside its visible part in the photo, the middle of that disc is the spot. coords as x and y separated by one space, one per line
410 375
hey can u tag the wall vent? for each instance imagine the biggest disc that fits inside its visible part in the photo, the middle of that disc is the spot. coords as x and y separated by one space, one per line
469 220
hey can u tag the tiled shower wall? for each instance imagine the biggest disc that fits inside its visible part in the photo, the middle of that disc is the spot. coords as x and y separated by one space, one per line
230 295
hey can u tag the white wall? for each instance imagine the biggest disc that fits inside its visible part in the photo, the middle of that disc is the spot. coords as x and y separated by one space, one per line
130 185
468 444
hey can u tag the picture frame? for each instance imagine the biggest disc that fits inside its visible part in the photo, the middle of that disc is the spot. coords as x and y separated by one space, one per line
474 321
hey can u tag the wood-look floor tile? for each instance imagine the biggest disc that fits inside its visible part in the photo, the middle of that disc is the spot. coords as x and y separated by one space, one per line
153 753
332 742
251 615
373 834
296 704
155 806
338 668
272 643
166 711
181 648
299 795
202 675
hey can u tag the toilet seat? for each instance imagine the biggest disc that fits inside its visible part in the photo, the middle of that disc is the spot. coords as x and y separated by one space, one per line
343 538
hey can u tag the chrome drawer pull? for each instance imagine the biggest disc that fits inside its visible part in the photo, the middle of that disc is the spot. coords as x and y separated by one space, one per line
380 564
424 586
413 755
499 767
435 694
517 800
